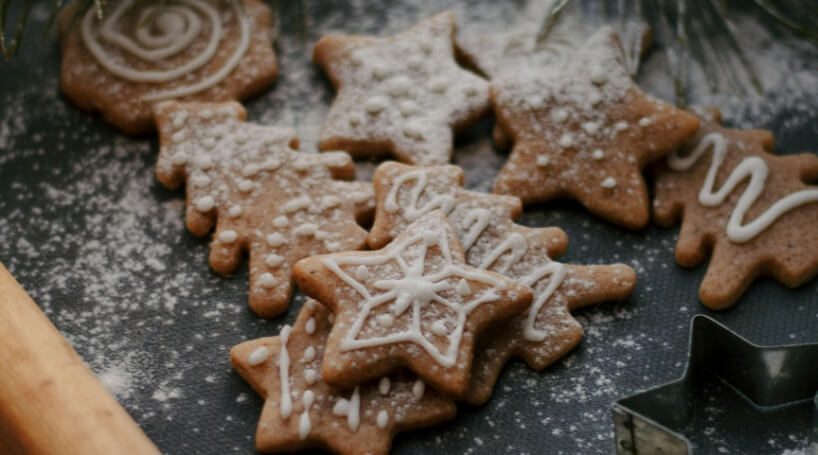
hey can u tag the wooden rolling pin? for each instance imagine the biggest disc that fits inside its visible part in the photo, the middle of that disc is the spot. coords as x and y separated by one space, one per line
50 402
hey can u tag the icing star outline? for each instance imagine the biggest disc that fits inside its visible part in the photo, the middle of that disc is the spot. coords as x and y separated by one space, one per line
417 292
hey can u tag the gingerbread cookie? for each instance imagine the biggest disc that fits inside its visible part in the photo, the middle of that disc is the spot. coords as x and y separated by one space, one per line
270 200
140 53
302 411
749 209
414 303
403 95
484 224
585 131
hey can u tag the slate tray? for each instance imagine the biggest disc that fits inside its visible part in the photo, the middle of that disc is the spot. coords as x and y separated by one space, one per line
101 246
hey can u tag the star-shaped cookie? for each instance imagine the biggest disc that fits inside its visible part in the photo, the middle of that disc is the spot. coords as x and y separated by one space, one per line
140 53
313 414
752 211
270 200
414 303
583 130
402 95
484 224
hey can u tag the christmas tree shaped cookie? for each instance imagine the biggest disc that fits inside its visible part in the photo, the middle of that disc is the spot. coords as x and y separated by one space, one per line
268 199
140 53
484 224
302 411
749 209
414 303
403 95
583 130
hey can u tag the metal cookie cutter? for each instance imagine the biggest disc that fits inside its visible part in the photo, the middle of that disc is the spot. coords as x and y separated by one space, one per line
769 377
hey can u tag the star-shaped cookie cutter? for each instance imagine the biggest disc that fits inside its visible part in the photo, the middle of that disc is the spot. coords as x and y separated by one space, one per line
652 421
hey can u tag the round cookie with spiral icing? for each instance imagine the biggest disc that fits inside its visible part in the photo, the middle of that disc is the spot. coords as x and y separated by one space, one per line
403 95
302 411
753 212
140 53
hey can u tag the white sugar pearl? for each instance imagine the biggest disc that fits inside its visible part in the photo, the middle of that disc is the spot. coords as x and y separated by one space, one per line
418 388
608 183
413 130
234 211
267 280
621 125
598 154
341 407
559 115
258 356
376 104
179 119
408 108
329 202
439 327
384 385
281 221
200 180
385 320
204 204
543 160
380 70
361 273
270 164
179 159
273 260
382 419
309 354
178 136
228 236
400 86
599 75
203 162
245 186
310 326
439 85
310 376
590 127
645 121
275 239
306 230
566 140
250 170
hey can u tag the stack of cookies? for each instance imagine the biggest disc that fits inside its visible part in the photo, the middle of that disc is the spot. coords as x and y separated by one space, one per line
424 308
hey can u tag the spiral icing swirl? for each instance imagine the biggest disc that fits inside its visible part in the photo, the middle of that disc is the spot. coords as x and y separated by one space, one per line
160 35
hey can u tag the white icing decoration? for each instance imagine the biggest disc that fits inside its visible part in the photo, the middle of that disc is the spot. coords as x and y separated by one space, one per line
361 273
375 105
354 410
382 419
753 168
514 245
296 204
385 320
463 288
306 230
310 326
258 356
204 203
310 376
418 388
413 212
228 236
384 385
281 221
267 280
439 326
309 354
414 289
304 423
286 406
234 211
598 154
276 239
477 220
556 273
179 26
273 260
341 407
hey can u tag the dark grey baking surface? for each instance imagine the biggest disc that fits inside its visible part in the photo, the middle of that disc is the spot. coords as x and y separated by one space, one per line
101 246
